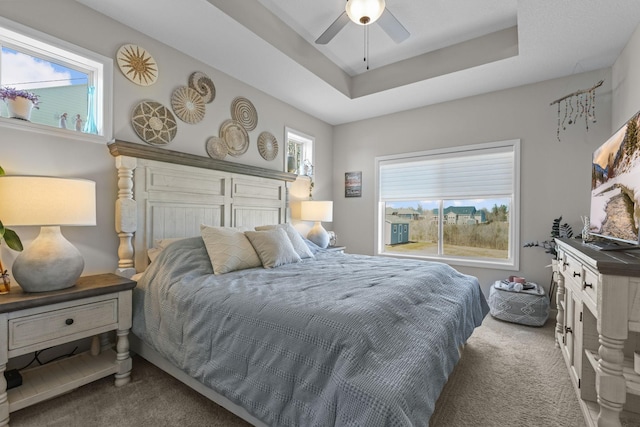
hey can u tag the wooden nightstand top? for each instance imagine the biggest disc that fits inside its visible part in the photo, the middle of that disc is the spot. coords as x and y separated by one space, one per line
87 286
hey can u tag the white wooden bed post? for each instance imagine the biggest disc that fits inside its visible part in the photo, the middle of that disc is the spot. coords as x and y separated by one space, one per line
126 215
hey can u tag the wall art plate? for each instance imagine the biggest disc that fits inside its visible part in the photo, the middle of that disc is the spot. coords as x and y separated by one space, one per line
216 148
235 136
202 84
187 104
154 123
243 111
137 64
267 146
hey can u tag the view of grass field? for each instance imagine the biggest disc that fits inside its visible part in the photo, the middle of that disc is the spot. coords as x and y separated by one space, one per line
469 240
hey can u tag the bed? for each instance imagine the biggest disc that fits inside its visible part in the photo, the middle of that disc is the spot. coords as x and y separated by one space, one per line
321 340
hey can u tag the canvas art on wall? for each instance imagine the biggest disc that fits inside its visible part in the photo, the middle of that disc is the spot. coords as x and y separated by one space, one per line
353 184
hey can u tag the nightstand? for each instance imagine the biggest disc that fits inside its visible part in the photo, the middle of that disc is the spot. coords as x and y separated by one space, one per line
340 249
34 321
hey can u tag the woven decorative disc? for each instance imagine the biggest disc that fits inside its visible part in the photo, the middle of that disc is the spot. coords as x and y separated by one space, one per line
137 65
202 84
154 123
217 148
243 111
267 146
236 137
187 104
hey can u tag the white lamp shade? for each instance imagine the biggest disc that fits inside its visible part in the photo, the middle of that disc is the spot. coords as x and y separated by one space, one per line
312 210
364 12
40 200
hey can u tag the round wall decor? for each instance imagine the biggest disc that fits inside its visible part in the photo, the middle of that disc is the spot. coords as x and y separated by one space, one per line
137 65
243 111
267 146
235 136
216 148
202 84
154 123
187 104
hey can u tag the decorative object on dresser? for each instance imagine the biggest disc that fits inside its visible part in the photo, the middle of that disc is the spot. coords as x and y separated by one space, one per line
317 211
598 326
51 262
33 322
137 65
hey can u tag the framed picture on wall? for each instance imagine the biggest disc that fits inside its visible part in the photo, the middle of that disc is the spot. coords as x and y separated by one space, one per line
353 184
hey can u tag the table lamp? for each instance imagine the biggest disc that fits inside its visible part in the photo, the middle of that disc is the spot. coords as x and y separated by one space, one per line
318 211
50 262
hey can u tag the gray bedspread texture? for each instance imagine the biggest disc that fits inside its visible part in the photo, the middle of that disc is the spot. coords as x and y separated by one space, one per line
339 340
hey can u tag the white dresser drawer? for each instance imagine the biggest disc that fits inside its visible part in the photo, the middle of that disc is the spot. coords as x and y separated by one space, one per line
50 325
590 284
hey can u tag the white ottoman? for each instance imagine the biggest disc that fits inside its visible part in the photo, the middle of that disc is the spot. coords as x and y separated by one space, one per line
527 307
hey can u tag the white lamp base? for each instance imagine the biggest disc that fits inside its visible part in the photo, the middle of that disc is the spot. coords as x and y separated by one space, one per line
319 235
49 263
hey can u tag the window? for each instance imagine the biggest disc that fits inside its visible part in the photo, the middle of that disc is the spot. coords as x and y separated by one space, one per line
299 158
73 84
458 205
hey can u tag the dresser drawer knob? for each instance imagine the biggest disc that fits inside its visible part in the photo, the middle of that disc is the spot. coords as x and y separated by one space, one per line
587 285
568 330
69 321
576 274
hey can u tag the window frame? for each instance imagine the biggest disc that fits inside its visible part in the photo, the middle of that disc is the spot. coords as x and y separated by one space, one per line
41 45
308 143
513 260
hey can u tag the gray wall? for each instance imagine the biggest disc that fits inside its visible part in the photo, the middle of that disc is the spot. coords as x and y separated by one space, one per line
555 175
36 154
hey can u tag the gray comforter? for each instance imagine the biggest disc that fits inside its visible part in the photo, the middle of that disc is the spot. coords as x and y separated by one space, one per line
339 340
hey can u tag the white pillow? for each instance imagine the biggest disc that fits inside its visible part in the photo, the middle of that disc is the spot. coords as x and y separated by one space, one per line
163 243
273 247
228 249
298 243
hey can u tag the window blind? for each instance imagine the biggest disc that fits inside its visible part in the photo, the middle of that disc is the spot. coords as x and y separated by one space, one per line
474 173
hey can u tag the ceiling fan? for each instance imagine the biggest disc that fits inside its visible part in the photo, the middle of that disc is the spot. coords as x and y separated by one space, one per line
366 12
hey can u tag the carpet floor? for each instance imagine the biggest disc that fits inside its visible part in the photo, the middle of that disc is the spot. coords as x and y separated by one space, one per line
509 375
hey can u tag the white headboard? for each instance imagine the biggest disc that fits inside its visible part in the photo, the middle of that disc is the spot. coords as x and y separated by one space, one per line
164 193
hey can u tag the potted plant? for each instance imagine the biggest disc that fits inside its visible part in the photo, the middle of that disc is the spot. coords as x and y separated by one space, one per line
19 102
13 242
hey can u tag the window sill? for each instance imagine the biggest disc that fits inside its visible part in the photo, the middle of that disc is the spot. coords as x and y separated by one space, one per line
24 125
492 264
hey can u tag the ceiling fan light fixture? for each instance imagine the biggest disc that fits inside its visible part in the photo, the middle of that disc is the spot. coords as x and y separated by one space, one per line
365 12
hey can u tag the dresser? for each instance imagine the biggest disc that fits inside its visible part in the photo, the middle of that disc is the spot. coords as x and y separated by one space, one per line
598 325
30 322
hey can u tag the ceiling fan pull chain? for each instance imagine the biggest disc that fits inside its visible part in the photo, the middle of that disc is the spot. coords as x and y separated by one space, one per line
366 45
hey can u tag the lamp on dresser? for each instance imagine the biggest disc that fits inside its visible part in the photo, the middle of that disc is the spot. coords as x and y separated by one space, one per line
50 262
318 211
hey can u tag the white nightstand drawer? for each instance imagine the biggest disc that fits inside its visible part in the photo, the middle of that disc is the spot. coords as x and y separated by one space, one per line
50 325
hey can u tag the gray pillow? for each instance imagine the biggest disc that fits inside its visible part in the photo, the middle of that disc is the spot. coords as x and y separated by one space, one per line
296 239
273 247
228 249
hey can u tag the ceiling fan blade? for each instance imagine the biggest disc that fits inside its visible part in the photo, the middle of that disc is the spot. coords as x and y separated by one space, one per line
333 29
393 27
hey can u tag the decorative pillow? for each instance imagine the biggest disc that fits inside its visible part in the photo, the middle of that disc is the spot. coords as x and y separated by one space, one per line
163 243
273 246
296 239
228 249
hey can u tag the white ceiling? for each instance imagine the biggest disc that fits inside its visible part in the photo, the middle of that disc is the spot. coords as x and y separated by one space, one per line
457 48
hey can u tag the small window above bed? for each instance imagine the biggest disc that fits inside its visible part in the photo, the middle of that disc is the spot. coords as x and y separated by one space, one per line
457 205
299 159
73 84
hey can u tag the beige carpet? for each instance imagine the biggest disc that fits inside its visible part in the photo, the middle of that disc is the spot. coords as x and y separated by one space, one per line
509 375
